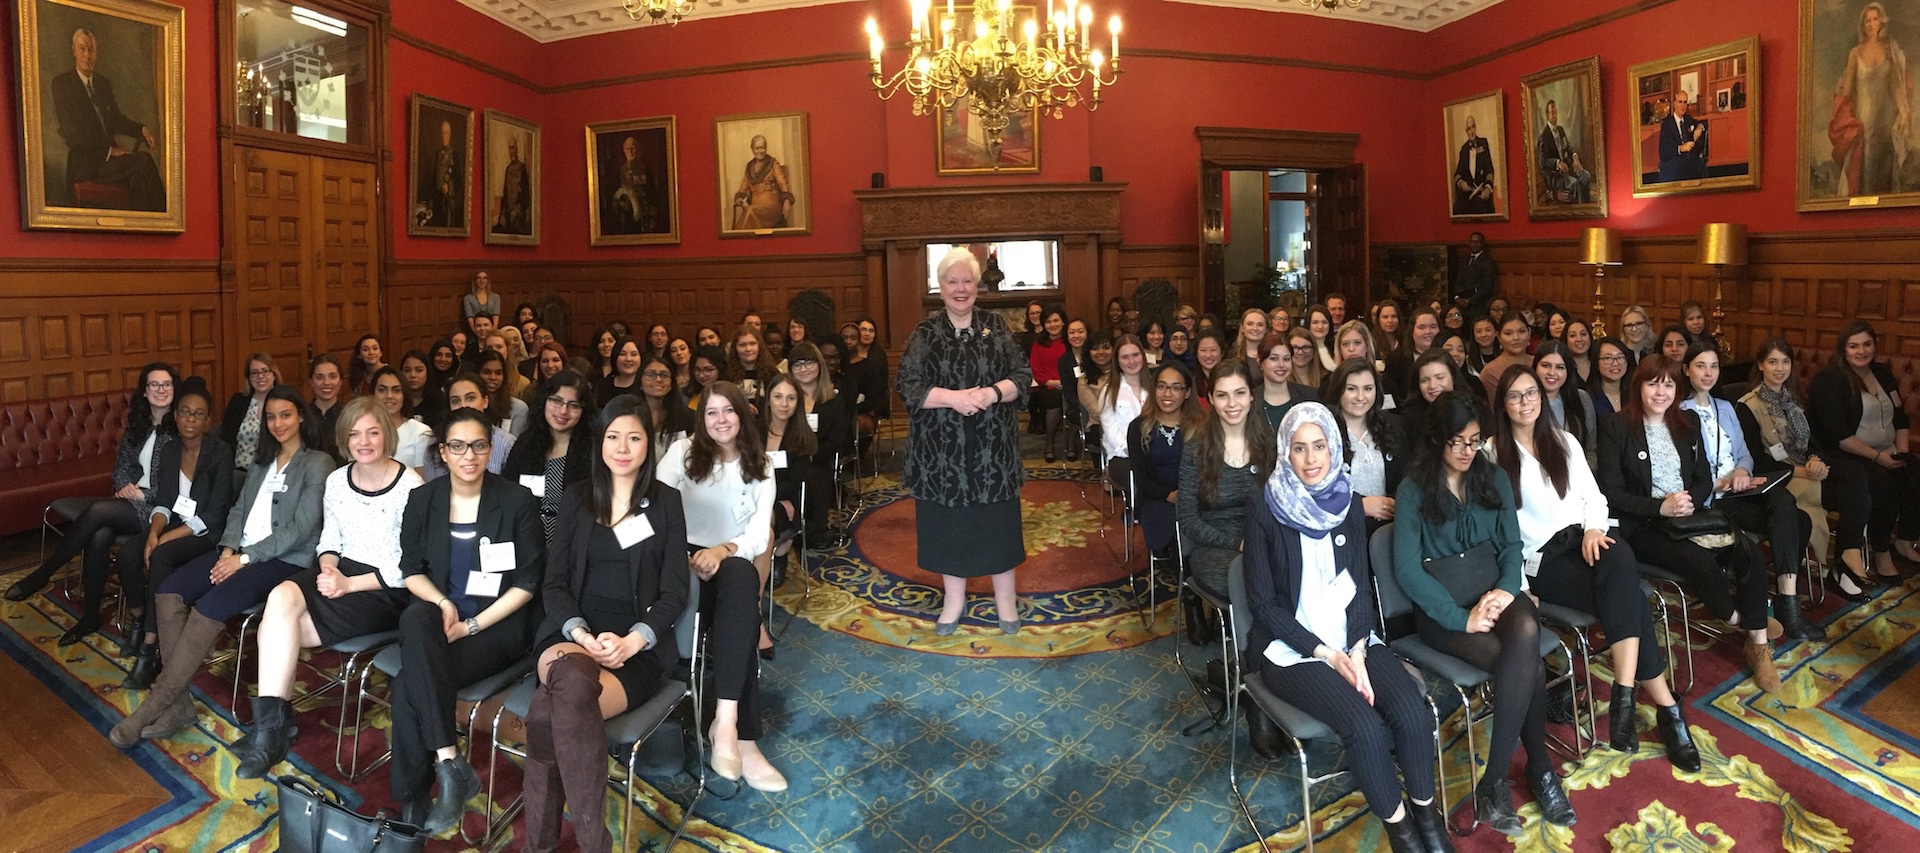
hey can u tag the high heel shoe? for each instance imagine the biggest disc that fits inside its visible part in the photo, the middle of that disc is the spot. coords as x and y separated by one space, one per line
724 767
24 588
766 653
79 631
770 782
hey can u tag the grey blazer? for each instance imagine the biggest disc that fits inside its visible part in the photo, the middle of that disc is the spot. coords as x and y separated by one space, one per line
296 511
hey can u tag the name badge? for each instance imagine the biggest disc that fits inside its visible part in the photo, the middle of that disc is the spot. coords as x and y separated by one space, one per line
813 421
635 530
743 513
483 585
496 557
535 483
183 507
1386 402
1077 374
779 459
1778 452
274 483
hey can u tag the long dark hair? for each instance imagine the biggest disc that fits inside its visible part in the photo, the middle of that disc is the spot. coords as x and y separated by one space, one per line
1547 447
1375 418
358 377
499 402
1209 445
476 417
529 453
1575 415
140 412
645 486
1435 354
1450 414
1755 379
749 445
795 435
1633 358
406 401
1191 418
269 447
1839 360
604 365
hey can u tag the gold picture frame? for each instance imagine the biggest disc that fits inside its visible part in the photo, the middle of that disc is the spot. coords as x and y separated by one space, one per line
1839 162
1560 110
1723 105
633 182
770 197
512 180
439 195
102 129
1464 162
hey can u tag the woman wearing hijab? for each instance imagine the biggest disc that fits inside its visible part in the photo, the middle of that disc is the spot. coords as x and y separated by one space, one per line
1311 592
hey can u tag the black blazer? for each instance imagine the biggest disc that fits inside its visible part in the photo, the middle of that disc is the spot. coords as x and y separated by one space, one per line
1147 486
88 124
836 427
1626 471
1834 410
657 568
508 513
1273 579
212 491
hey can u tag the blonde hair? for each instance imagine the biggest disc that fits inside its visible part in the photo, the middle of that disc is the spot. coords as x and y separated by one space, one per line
360 407
956 255
1366 336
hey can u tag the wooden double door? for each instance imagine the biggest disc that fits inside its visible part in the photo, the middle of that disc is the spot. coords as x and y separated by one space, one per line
303 232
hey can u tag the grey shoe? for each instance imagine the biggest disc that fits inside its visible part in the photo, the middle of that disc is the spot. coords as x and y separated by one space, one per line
945 629
1010 628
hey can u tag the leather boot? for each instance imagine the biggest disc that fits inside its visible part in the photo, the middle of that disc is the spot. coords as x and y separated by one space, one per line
266 745
1402 837
1621 732
540 776
580 748
1672 722
146 667
1432 826
1552 799
1787 609
170 618
1760 662
1493 806
458 783
1200 629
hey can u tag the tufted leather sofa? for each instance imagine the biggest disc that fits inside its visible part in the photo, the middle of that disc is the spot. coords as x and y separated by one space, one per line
57 448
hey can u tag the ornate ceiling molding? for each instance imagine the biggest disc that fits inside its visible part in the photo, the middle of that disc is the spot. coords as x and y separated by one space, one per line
557 20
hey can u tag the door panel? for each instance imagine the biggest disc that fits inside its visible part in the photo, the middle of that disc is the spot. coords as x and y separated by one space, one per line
271 246
1341 225
348 254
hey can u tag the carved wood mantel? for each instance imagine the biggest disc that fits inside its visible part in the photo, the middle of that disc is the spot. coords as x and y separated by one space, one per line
896 224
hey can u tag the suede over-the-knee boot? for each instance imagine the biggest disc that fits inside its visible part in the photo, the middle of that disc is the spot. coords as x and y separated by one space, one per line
580 748
540 776
169 706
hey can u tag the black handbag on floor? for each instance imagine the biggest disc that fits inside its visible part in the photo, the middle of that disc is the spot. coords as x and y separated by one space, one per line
311 821
1466 576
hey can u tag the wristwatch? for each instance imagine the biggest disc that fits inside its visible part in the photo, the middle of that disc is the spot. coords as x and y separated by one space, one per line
246 559
473 626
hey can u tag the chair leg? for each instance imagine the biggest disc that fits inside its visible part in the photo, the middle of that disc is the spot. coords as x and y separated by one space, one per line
240 662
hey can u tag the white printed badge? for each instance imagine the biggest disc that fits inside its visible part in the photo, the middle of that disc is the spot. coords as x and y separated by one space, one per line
183 507
274 483
635 530
483 585
535 483
813 421
778 458
496 557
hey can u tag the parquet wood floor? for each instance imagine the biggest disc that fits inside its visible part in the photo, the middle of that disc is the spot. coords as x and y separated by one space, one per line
61 783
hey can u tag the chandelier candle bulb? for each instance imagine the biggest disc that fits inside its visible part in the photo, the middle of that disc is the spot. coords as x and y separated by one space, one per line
1113 27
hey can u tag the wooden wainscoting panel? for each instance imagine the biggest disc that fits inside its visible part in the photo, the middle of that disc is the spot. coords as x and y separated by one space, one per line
75 326
1179 265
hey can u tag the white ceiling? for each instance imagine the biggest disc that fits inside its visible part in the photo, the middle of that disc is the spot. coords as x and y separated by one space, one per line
555 20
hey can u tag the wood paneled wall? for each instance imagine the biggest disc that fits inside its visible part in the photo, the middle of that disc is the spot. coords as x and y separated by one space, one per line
1179 265
83 326
1801 286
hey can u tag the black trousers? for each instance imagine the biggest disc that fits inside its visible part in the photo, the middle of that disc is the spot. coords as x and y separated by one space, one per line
1870 500
432 671
1775 517
1706 573
1511 652
1610 590
1395 731
167 557
91 536
730 602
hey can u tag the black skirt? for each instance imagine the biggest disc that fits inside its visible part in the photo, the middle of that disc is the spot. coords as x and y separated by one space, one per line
640 677
355 614
970 541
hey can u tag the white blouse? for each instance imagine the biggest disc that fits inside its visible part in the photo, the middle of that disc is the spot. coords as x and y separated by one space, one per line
260 516
723 508
146 460
1544 512
1325 592
1369 467
1114 420
415 438
365 526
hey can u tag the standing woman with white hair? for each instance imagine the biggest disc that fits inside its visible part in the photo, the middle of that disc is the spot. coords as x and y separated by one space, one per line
964 381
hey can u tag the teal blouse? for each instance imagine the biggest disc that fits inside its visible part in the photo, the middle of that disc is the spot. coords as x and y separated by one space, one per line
1414 539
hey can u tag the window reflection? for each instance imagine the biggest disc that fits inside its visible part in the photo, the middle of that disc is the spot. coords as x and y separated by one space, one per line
1023 264
302 71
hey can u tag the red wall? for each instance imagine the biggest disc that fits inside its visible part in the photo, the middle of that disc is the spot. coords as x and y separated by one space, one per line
202 238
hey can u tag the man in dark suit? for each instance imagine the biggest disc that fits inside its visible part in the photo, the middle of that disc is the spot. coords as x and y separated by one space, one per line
1564 179
1683 144
90 122
1473 176
1479 277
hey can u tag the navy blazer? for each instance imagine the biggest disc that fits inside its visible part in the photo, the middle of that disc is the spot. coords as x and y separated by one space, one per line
508 513
1626 471
212 491
1272 560
656 568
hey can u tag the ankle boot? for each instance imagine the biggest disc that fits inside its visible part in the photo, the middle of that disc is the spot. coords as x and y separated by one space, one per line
1621 733
540 777
146 667
170 617
1672 722
1787 609
458 783
1402 837
266 745
1432 826
1551 798
1760 662
1493 806
1199 624
580 748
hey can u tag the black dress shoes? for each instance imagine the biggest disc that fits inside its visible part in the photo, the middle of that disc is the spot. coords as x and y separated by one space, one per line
1402 837
1552 799
1432 826
1621 733
80 630
1493 806
1681 752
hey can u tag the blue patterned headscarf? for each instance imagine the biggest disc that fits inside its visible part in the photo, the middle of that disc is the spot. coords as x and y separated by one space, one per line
1313 510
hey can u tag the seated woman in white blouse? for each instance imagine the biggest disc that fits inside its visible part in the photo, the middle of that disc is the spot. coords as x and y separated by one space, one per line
412 438
1121 399
1314 623
726 485
1574 558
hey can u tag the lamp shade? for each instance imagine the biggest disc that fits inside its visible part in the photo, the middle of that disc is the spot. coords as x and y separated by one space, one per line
1601 246
1723 243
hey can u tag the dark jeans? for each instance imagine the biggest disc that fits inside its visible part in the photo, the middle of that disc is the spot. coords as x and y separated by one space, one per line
730 602
1869 499
1705 573
432 671
1610 590
166 558
1396 730
1511 652
1775 517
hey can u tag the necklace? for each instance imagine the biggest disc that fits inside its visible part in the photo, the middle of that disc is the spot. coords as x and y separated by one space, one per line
1167 432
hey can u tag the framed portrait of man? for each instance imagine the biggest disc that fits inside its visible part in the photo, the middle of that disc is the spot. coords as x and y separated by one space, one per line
1566 142
765 182
1693 134
1476 134
512 200
439 165
960 143
1856 141
633 182
102 126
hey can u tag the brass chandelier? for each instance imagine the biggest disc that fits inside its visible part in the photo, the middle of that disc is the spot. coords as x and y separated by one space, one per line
1331 5
1001 75
658 11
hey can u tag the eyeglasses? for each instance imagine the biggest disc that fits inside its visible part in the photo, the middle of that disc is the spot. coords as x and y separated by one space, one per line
1175 387
569 405
657 375
1637 324
1523 396
1616 358
195 414
258 372
1459 444
802 362
1300 347
159 386
461 448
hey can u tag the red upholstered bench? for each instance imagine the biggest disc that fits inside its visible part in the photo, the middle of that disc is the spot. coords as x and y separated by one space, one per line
59 448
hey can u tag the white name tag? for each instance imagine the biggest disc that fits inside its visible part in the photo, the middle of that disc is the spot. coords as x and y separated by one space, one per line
742 513
535 483
635 530
274 483
1077 374
183 508
483 585
1386 402
496 557
1777 451
813 421
778 458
